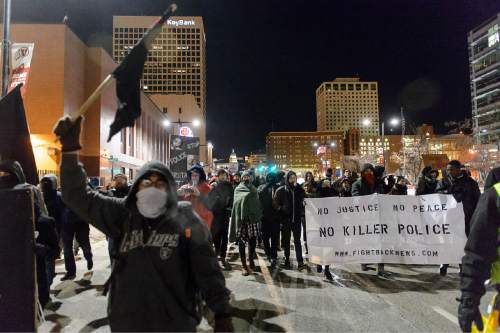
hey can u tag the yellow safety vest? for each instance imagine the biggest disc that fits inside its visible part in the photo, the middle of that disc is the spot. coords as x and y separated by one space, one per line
495 268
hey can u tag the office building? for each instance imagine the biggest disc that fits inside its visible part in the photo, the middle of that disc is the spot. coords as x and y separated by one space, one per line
305 151
484 60
346 103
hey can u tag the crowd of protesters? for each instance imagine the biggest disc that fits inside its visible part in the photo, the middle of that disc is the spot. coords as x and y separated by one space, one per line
245 209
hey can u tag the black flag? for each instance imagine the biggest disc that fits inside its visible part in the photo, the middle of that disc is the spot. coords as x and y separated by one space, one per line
128 75
15 142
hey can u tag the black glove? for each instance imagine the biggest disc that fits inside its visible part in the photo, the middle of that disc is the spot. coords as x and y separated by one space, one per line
223 324
468 312
68 132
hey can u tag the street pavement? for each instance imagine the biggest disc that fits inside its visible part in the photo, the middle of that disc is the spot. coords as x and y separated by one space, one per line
411 299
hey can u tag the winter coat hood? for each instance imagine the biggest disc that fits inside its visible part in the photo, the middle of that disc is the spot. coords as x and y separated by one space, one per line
50 178
199 169
378 171
271 178
146 170
290 174
492 178
366 167
14 168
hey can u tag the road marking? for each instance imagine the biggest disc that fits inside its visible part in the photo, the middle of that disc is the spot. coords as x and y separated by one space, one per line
446 314
274 293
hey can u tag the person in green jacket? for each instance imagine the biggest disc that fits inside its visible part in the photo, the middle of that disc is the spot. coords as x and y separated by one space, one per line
245 220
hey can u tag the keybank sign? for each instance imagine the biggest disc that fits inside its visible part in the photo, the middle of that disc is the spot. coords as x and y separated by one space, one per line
180 23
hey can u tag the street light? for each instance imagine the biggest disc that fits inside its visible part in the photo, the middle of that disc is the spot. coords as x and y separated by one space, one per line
196 123
333 144
166 123
315 144
210 145
366 122
394 122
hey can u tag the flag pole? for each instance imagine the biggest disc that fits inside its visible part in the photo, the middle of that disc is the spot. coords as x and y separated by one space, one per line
6 47
149 38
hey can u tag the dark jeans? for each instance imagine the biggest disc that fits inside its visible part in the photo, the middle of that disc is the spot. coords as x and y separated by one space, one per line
271 238
304 233
111 248
50 269
220 230
79 230
252 243
286 233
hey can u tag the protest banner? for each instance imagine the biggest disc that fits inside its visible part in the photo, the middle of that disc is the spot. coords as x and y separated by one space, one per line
427 229
22 54
184 153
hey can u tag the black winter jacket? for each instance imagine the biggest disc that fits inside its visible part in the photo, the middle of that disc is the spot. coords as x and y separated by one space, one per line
464 190
289 202
162 265
481 246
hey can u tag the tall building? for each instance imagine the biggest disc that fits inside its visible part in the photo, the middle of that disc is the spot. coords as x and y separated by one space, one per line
63 73
176 62
305 151
175 65
484 59
346 103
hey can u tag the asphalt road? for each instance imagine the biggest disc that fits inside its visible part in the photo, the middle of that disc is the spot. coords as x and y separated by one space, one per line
412 299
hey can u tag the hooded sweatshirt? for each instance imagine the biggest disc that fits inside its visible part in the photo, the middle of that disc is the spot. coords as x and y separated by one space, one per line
360 187
426 184
289 201
163 265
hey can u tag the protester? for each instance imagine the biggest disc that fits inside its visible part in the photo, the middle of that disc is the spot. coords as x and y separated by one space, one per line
196 191
310 186
77 229
427 182
245 221
481 259
464 189
270 219
289 202
367 184
165 261
236 180
46 245
345 188
400 187
119 189
221 202
326 191
56 210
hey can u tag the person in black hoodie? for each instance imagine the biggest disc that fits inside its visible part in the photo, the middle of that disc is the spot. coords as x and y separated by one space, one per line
427 182
220 201
400 187
289 202
270 218
165 263
464 189
481 261
56 210
46 244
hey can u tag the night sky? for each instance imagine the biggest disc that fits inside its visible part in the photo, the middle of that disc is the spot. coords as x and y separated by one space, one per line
266 58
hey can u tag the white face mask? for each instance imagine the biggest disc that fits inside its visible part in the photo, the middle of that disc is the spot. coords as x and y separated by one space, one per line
151 202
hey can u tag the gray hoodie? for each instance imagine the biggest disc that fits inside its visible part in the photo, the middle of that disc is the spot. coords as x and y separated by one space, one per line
163 267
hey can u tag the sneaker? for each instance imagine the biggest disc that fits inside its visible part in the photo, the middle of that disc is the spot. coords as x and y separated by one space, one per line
328 275
301 266
90 264
319 268
273 264
443 270
251 265
68 276
286 264
245 272
364 267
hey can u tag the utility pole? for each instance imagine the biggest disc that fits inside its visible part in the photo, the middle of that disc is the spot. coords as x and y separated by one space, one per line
403 140
6 47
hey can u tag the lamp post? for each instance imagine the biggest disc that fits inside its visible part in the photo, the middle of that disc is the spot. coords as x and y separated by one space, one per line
6 47
392 122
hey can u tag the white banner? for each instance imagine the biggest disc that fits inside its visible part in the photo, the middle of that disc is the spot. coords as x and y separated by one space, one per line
21 62
427 229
